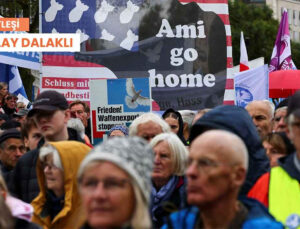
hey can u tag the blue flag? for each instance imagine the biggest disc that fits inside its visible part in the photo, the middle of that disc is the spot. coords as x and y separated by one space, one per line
10 75
251 85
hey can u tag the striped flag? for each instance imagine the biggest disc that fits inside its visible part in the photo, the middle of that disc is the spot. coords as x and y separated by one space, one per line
243 55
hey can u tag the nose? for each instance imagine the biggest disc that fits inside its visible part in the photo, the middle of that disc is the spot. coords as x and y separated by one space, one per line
156 159
100 192
282 122
192 170
19 153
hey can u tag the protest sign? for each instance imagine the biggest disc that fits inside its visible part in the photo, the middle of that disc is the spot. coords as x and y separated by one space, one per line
181 48
117 102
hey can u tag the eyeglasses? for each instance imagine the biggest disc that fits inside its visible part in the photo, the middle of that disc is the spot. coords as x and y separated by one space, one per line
13 148
89 185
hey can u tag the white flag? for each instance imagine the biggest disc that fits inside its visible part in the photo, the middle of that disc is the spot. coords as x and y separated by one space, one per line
243 55
252 85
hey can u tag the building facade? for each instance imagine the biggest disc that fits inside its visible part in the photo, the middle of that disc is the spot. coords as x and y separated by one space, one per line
293 9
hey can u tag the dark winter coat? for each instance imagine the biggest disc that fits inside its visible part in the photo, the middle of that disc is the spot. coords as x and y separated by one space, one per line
238 121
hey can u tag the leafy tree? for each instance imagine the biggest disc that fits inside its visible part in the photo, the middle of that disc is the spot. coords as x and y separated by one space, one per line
260 31
259 28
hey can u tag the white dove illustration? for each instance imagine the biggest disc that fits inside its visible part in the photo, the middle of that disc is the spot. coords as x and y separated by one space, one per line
134 98
153 55
76 13
101 14
127 14
52 10
128 42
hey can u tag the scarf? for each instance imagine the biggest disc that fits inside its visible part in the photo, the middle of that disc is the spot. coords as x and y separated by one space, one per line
162 195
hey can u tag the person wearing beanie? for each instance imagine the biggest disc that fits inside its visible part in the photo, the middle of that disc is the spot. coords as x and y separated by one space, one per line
11 149
115 184
118 130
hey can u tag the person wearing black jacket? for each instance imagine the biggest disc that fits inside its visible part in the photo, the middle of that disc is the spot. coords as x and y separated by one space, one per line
174 119
50 112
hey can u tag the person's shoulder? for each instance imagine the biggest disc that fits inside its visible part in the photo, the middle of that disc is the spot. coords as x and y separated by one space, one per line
185 218
262 223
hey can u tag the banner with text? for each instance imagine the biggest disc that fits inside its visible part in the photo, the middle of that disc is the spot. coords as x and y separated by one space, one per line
179 47
117 102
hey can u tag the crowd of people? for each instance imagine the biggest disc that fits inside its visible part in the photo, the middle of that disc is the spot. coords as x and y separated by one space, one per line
223 167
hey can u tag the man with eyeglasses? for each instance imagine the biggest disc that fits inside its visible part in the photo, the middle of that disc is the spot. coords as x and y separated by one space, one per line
218 163
279 189
11 149
51 113
80 109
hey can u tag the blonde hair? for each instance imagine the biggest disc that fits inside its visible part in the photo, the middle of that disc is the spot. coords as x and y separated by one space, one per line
141 217
179 153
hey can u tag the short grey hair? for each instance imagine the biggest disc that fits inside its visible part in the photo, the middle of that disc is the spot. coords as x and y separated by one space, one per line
51 150
179 154
271 106
187 117
281 109
147 117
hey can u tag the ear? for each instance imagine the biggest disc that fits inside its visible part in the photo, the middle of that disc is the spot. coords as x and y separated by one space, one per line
67 115
238 175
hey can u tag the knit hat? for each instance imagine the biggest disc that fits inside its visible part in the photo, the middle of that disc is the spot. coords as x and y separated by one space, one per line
124 129
49 101
132 154
10 133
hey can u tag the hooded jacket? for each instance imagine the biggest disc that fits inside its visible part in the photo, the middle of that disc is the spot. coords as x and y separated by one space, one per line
238 121
23 183
71 154
180 122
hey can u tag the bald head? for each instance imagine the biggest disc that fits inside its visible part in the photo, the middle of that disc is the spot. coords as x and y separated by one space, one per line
228 146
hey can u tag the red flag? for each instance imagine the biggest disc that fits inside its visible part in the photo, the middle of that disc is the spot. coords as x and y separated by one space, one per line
243 55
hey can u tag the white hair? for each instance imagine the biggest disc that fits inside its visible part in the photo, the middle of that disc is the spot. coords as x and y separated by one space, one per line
179 152
270 106
281 109
147 117
50 150
187 117
76 123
